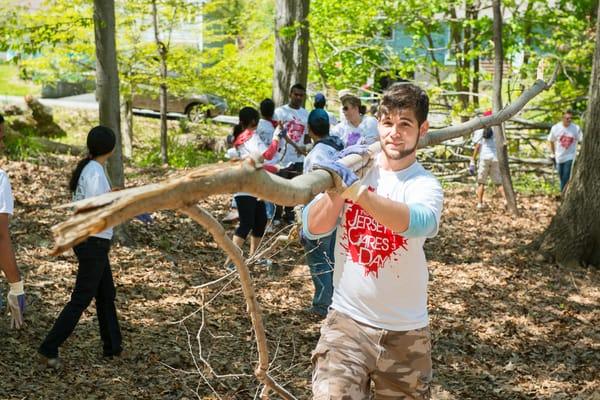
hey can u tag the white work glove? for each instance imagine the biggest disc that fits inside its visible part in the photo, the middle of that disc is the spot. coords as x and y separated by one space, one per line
16 304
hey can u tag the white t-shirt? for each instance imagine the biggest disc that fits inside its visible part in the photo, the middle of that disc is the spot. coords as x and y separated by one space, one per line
296 123
253 147
332 119
265 130
487 149
565 141
365 133
320 153
93 182
380 278
6 198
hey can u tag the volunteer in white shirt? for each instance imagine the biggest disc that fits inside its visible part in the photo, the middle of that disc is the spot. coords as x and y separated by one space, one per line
292 118
377 329
8 262
562 141
485 148
357 127
94 276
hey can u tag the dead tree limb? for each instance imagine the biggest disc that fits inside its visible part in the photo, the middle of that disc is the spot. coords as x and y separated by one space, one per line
438 136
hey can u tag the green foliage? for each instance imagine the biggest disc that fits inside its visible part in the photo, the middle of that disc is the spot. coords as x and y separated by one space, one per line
11 84
535 184
180 156
22 147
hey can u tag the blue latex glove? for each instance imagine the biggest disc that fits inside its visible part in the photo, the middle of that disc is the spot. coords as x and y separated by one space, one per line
360 149
16 304
343 177
145 218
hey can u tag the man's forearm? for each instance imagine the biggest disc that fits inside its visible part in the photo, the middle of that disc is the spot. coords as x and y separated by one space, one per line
8 264
324 213
391 214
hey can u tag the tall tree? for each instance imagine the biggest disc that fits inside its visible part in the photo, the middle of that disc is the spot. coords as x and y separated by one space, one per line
291 47
107 82
573 236
163 52
497 106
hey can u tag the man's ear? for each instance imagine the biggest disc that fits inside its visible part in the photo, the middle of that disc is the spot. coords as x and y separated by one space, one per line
423 128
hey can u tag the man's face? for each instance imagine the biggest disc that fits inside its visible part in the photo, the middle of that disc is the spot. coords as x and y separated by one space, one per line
566 119
399 133
297 98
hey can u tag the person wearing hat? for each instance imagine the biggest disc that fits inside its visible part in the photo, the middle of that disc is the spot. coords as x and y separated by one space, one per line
319 252
485 147
8 263
94 276
357 127
321 102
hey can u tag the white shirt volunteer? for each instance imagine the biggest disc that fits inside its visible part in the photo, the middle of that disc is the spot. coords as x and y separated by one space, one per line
295 121
93 182
253 147
565 140
365 133
487 151
6 197
265 130
380 277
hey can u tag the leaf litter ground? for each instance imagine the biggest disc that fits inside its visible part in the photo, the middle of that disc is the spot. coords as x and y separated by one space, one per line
504 326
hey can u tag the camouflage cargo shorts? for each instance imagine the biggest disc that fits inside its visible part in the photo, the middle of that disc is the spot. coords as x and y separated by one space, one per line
350 355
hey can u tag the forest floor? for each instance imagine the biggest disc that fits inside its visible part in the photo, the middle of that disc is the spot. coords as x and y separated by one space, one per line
504 326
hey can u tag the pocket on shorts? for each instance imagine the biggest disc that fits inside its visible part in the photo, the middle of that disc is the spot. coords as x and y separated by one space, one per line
320 352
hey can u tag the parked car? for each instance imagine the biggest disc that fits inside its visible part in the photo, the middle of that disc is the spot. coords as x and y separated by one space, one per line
195 106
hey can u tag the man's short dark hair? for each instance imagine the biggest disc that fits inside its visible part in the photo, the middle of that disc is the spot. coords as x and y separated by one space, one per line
298 86
1 119
267 108
569 111
405 96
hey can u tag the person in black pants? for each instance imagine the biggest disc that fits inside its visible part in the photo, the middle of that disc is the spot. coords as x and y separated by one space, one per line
94 276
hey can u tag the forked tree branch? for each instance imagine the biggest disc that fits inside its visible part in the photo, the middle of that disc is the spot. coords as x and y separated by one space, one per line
235 255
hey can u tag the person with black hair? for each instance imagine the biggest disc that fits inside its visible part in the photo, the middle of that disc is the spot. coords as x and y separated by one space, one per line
8 262
485 148
266 124
94 276
319 252
321 102
252 213
292 118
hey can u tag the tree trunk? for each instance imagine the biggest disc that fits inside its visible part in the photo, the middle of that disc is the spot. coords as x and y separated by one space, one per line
162 52
107 82
573 236
291 47
474 15
497 106
457 42
128 131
